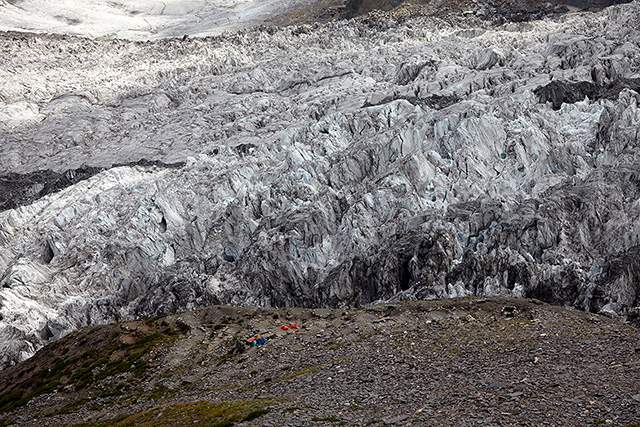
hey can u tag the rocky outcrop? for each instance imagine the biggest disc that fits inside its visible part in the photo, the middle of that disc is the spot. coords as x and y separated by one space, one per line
322 165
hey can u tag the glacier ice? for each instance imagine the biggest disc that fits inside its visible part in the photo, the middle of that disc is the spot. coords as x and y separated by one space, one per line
318 165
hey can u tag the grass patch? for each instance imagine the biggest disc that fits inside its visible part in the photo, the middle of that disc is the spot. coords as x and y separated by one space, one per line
302 372
70 407
255 414
158 392
113 392
92 366
223 414
153 319
183 328
224 359
12 399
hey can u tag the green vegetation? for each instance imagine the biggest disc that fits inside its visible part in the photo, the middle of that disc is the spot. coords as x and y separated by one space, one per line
153 319
12 399
93 365
222 414
182 327
98 366
255 414
44 381
224 359
158 392
113 392
70 407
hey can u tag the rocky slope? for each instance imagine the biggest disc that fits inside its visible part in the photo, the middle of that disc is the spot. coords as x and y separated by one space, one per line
470 361
392 156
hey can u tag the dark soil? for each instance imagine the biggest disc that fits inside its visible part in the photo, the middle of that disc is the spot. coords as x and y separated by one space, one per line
558 92
22 189
492 11
470 361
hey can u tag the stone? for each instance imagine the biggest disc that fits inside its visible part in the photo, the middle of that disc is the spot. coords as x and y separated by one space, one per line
395 420
498 384
190 379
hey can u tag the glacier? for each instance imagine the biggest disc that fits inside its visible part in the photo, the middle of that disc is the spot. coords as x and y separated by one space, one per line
386 157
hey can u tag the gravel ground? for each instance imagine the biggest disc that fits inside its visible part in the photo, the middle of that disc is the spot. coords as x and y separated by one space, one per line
480 361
